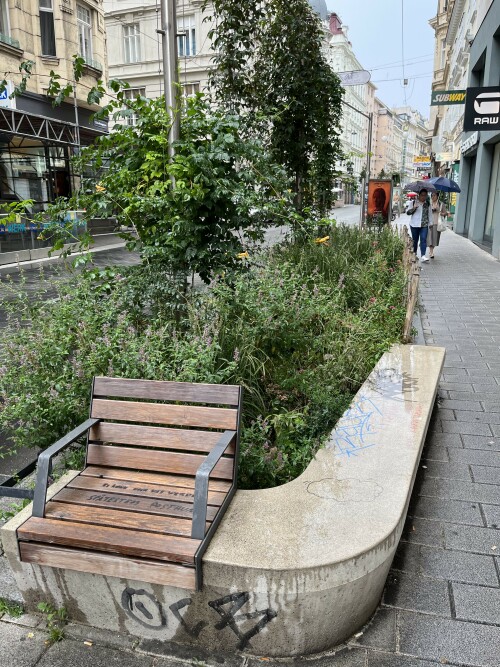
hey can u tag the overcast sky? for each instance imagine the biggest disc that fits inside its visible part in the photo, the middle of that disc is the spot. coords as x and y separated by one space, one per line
374 29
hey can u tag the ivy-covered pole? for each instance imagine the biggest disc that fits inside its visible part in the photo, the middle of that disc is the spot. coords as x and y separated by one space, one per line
169 47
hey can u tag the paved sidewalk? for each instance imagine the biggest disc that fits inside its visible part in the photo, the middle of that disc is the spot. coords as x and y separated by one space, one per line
442 600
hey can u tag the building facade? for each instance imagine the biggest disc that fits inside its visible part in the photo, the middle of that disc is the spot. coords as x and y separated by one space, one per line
37 139
135 48
340 55
478 207
455 25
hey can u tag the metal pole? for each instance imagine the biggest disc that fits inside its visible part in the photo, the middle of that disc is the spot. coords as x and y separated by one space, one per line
170 78
368 155
368 162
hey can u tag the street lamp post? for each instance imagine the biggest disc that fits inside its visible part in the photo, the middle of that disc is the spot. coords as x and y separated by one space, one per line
368 156
169 48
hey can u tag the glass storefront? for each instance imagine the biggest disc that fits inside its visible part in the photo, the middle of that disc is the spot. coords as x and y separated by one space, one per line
493 208
37 172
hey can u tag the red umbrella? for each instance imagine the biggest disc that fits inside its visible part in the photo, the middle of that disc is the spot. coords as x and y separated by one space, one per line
411 194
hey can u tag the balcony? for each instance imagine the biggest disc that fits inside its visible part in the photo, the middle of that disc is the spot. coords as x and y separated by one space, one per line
92 67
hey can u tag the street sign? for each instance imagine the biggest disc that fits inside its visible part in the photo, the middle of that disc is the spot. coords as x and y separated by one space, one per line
355 78
444 157
440 97
482 109
470 142
5 101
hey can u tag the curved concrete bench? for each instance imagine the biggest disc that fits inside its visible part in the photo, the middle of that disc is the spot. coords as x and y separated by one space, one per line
291 570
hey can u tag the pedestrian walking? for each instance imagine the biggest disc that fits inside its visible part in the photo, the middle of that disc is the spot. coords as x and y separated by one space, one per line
419 223
438 209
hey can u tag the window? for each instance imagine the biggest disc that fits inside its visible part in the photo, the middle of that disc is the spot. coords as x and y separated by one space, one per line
47 28
4 18
186 43
443 53
132 94
190 89
132 44
84 22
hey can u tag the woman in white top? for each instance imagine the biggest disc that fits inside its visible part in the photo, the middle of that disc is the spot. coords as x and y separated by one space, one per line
419 223
437 210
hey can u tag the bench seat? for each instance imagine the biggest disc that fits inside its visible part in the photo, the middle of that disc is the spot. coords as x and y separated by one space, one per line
152 491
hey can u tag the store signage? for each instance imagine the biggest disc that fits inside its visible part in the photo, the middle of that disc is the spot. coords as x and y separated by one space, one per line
101 124
444 157
355 78
5 94
421 162
482 109
440 97
469 142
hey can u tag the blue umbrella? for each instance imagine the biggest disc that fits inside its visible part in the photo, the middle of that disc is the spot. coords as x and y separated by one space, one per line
444 184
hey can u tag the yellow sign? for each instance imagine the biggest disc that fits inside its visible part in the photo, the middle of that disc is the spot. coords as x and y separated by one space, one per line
421 158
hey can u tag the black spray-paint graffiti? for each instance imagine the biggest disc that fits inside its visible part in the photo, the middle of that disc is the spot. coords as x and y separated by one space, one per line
232 618
175 609
144 608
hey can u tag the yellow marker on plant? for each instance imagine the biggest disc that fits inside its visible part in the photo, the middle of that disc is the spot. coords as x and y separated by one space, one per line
99 188
323 241
243 255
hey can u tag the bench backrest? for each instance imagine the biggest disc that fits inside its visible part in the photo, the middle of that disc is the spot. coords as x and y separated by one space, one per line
161 426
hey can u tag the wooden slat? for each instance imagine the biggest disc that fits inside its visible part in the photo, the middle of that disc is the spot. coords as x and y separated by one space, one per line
151 572
119 519
156 436
167 391
158 413
153 478
104 538
130 503
148 459
142 490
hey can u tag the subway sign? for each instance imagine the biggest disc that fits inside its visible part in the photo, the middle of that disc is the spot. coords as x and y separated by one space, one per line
440 97
482 109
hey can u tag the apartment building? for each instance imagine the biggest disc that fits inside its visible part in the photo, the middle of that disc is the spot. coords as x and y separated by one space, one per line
455 26
135 49
36 138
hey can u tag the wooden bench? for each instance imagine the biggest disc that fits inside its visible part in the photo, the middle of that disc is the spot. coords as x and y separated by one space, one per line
159 475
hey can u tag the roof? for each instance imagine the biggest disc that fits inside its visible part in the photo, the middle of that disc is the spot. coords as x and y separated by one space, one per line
319 6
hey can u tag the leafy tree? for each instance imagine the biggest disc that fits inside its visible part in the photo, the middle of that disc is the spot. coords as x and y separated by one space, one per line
269 61
224 183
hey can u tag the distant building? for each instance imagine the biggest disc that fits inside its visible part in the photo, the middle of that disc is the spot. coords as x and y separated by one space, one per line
340 55
37 139
414 130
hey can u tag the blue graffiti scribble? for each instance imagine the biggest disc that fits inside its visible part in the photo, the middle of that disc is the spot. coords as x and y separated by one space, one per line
355 428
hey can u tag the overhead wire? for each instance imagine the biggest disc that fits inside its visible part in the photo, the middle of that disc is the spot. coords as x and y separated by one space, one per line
403 49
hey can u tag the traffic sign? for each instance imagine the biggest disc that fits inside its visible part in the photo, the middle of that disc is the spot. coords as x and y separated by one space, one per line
354 78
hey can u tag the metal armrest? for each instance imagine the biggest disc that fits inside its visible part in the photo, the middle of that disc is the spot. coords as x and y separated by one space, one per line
44 465
201 484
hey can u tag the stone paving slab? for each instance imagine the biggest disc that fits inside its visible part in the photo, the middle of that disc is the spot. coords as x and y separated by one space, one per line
17 649
446 564
450 641
477 603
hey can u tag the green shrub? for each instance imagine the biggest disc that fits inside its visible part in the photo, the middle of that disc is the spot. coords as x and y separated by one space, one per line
301 331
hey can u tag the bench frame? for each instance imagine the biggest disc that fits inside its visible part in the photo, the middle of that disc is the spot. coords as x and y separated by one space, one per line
202 478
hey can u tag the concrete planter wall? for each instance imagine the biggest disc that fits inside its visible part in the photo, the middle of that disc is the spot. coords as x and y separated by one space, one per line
291 570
